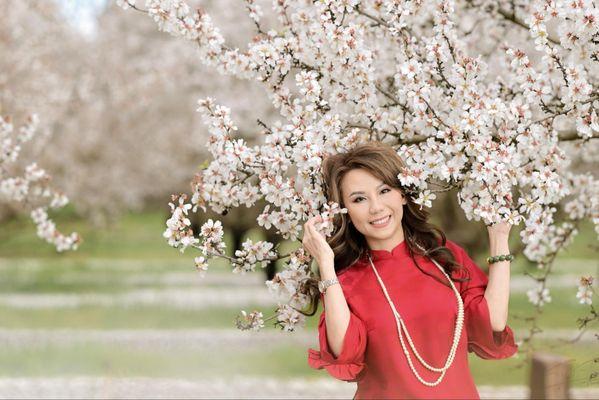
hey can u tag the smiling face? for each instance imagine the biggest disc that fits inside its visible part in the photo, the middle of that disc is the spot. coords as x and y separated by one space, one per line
369 200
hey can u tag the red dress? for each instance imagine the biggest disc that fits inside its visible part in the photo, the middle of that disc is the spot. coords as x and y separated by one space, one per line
372 354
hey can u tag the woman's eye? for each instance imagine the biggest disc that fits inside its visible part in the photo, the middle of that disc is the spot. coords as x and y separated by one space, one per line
356 200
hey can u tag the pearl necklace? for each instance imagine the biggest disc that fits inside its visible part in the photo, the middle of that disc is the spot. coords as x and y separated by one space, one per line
401 325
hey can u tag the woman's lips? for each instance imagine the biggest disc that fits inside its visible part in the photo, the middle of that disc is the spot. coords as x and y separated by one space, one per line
382 225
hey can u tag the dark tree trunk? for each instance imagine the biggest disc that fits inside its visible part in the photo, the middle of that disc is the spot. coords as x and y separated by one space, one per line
271 269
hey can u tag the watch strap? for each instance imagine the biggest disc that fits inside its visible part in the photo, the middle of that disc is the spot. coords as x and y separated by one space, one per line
324 285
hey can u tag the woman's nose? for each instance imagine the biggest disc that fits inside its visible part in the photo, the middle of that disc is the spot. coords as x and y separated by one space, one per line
375 206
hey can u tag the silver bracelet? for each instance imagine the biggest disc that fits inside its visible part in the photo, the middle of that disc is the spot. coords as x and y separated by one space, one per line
323 285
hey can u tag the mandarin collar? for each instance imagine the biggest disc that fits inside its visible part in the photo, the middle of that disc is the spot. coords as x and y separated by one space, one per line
399 250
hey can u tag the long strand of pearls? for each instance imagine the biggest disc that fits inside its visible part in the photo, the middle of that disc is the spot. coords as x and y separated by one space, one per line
402 326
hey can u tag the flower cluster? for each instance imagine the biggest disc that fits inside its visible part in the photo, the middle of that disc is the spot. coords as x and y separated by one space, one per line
585 290
289 318
288 286
254 10
327 225
201 265
178 227
211 234
180 235
539 295
252 321
33 189
46 229
252 254
342 72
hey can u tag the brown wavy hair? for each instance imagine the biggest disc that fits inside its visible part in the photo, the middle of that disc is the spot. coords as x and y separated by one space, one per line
349 245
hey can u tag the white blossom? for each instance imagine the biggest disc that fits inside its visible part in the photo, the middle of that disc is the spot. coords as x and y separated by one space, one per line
585 290
289 318
252 254
539 295
425 198
201 264
178 226
33 189
469 111
252 321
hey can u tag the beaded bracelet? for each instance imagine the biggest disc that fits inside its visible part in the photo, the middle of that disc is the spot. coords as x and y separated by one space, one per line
503 257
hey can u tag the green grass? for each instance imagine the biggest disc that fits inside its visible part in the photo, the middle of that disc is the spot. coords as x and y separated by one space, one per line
120 361
135 235
279 361
585 244
561 313
87 275
512 371
137 317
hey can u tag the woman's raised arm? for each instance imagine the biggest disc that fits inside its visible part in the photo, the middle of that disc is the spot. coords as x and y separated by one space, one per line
336 309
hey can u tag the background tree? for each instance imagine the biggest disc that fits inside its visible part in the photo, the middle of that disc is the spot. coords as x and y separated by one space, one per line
25 185
118 132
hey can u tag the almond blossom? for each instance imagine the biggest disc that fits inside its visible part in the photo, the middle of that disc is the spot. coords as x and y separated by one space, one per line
539 296
178 226
201 265
481 97
252 254
289 318
252 321
32 190
585 290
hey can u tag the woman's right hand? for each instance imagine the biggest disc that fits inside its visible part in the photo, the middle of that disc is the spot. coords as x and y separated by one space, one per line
316 244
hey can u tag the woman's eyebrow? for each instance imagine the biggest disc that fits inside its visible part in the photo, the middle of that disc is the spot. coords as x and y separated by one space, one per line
352 193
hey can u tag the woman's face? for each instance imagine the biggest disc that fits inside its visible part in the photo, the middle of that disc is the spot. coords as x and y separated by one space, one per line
369 200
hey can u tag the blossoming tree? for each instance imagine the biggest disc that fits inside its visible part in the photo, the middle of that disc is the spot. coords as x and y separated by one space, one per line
32 190
25 53
490 98
112 118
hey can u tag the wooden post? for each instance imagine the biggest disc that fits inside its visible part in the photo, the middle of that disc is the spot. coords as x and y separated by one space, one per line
549 377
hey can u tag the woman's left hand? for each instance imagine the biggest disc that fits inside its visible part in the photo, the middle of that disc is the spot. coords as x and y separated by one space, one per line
501 229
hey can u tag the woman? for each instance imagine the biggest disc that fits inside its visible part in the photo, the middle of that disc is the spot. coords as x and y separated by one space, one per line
386 270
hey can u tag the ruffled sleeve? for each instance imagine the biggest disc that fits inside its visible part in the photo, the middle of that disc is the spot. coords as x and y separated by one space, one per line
482 340
349 365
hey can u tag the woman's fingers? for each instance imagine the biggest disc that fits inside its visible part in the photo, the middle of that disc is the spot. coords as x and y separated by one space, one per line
314 241
310 231
309 238
309 225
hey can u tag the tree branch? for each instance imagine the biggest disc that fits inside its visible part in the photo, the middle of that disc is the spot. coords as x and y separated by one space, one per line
512 18
572 134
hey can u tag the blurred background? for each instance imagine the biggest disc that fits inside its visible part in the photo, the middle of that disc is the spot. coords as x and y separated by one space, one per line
126 315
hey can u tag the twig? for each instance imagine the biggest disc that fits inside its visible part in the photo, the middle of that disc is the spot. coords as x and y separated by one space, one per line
511 16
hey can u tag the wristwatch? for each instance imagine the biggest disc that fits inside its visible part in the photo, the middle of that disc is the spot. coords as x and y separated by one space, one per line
323 285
